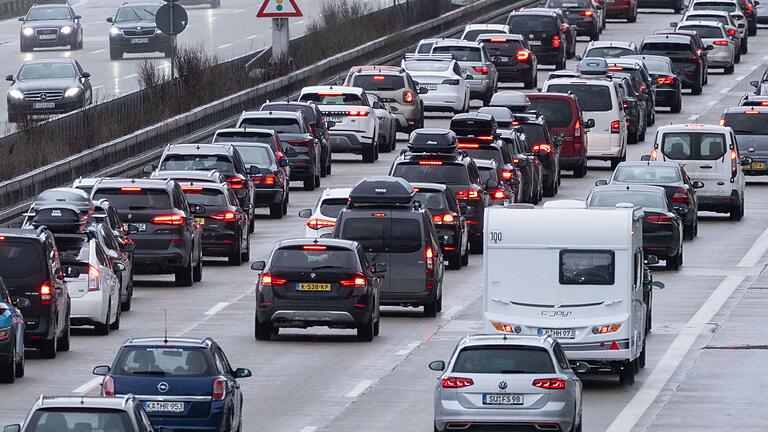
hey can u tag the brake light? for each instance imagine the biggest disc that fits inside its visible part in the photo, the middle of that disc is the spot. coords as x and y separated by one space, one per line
587 13
219 389
467 194
314 248
556 41
564 28
666 80
654 155
764 103
268 280
108 387
456 382
267 180
507 174
498 40
445 218
481 69
191 189
663 220
378 214
430 162
227 216
453 82
305 142
93 278
720 42
731 32
173 219
359 281
734 163
45 293
680 196
236 182
318 223
749 8
330 94
355 113
751 111
577 129
626 105
468 146
130 189
499 194
549 383
523 55
429 257
615 68
615 126
542 148
721 122
409 96
378 77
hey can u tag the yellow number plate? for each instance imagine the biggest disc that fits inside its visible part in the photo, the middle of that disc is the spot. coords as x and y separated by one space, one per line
757 165
314 287
201 221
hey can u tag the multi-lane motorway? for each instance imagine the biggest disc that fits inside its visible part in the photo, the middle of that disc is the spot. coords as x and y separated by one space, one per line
322 380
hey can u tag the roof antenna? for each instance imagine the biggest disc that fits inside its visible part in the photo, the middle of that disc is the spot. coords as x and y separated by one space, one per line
165 336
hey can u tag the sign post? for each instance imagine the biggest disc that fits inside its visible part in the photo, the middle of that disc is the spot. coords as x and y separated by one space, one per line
172 19
279 11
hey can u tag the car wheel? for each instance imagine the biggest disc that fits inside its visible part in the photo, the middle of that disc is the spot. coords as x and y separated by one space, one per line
737 59
323 168
530 82
641 360
454 260
580 170
476 244
20 365
431 308
48 347
745 46
234 258
63 343
8 372
116 325
595 35
183 276
317 180
729 70
286 198
309 183
276 210
197 272
688 231
246 256
103 329
677 106
128 303
752 30
465 258
487 98
673 262
641 136
369 154
627 374
377 326
24 47
263 331
561 64
737 212
365 331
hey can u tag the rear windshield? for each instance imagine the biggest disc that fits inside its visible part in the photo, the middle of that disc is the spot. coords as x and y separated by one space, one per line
297 258
650 173
332 98
259 156
130 198
73 249
586 267
664 47
20 259
656 67
279 125
460 53
693 145
534 132
309 112
79 420
243 137
508 48
488 173
332 207
425 48
643 199
435 202
705 31
443 174
377 235
747 124
608 52
558 113
472 35
525 23
426 66
590 97
565 4
727 7
490 359
487 153
163 361
206 197
192 162
379 82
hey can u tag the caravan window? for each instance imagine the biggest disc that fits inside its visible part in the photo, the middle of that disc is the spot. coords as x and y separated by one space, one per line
587 267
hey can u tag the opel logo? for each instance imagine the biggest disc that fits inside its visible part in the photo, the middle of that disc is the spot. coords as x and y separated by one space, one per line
163 387
43 96
503 385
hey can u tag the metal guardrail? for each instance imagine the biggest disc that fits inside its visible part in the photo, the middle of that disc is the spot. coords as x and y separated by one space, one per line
128 154
14 8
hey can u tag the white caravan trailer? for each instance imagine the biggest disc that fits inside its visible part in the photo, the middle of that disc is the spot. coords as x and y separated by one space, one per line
575 273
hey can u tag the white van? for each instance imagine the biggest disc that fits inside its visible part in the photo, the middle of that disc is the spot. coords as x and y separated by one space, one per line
585 286
599 100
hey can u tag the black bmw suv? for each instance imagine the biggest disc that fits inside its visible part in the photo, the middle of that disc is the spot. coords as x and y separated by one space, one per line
50 25
134 31
546 148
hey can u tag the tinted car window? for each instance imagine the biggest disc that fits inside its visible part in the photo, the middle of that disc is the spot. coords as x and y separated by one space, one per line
426 66
557 112
643 199
405 236
460 53
73 249
503 360
656 67
251 155
693 146
472 35
371 233
332 207
20 259
48 13
332 98
608 52
559 4
754 123
586 267
650 173
432 201
53 70
664 47
207 197
187 162
531 23
727 7
590 97
715 18
488 173
133 14
277 124
178 361
485 153
444 174
313 259
79 419
135 199
705 31
506 49
309 112
379 82
243 137
534 132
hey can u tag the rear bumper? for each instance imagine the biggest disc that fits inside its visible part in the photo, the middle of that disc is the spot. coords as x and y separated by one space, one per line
349 142
667 97
549 57
265 197
661 244
163 261
215 422
516 73
571 162
598 351
614 10
304 314
219 243
409 299
90 309
719 203
437 100
451 415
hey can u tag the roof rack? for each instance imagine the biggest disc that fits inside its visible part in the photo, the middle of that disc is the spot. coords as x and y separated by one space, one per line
442 141
382 190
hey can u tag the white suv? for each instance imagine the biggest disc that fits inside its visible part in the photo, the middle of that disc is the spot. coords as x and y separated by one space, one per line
711 156
322 220
353 123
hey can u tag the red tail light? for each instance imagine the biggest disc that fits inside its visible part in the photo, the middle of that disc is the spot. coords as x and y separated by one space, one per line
680 196
378 77
317 223
615 68
358 113
737 16
549 383
664 220
94 279
666 80
219 389
481 69
467 194
523 55
429 258
556 41
499 194
542 148
445 218
456 382
226 216
626 105
720 42
499 40
269 280
45 293
507 174
304 142
563 28
314 248
430 162
409 96
587 13
108 387
654 155
266 180
731 32
752 111
749 8
734 164
358 281
173 219
236 182
130 189
615 126
721 122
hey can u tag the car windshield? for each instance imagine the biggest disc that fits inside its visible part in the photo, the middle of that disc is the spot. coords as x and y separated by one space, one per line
252 137
78 420
163 361
751 123
133 14
134 198
73 249
639 198
534 132
567 4
558 113
53 70
20 259
488 173
379 82
693 146
460 53
648 173
277 124
489 359
726 7
332 98
658 67
252 155
525 23
590 97
705 32
608 52
193 162
443 174
666 47
426 66
323 257
213 198
48 13
333 206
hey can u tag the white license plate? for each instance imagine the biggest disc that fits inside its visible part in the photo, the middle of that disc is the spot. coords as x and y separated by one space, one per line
139 226
430 86
502 59
559 333
46 36
534 42
336 120
175 407
139 40
43 105
502 399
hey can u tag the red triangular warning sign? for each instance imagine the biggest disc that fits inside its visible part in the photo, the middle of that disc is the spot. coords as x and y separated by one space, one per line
279 9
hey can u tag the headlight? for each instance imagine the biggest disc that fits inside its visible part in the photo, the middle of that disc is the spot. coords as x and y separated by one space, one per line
72 92
114 30
15 94
66 30
28 31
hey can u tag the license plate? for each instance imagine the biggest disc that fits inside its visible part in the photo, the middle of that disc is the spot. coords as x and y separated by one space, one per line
502 399
46 36
44 105
201 221
757 166
336 120
141 227
534 42
558 333
139 40
314 287
430 86
175 407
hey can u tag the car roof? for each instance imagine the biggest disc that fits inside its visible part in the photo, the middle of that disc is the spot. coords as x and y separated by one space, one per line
289 102
579 80
610 43
486 27
169 341
50 60
143 183
457 42
755 109
185 174
656 58
204 185
485 163
536 11
551 95
332 88
134 4
502 339
379 71
621 61
208 149
694 127
649 163
349 244
630 188
707 12
271 113
700 23
47 5
676 38
435 186
83 402
247 130
330 193
508 36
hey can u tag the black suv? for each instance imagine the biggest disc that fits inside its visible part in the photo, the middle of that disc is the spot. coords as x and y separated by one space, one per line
688 61
545 31
30 267
320 282
513 58
545 147
50 25
162 223
526 162
432 157
449 223
642 81
581 14
270 182
134 31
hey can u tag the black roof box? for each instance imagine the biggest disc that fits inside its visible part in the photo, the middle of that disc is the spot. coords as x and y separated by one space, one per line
431 140
473 124
64 219
385 190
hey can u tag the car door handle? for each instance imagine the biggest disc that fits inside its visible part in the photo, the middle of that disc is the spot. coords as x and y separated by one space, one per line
706 167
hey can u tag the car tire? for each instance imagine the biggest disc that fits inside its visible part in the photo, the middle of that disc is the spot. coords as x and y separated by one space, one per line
246 256
454 260
431 308
465 258
20 365
696 89
369 155
688 232
286 199
561 64
115 54
737 59
677 106
197 271
595 35
8 372
729 70
116 325
235 259
103 329
632 17
751 30
317 180
215 4
128 303
276 210
183 276
580 170
627 374
377 326
737 212
263 331
48 347
641 136
744 46
365 331
642 359
64 341
487 99
530 82
673 263
309 183
476 244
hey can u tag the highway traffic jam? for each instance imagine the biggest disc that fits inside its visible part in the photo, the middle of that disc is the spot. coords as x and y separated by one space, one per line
506 176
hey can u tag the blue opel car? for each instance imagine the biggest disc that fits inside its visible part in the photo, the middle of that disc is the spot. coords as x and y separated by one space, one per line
183 384
11 336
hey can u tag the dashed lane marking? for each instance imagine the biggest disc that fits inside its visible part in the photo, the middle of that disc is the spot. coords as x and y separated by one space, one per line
359 389
217 308
87 387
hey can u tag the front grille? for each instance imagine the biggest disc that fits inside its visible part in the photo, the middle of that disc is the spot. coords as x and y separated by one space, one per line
47 31
44 96
142 32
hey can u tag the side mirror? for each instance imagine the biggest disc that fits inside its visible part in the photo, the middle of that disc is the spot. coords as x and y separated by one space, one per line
282 163
379 267
241 193
118 267
491 184
658 285
101 370
681 211
12 428
243 373
247 206
86 75
71 272
148 169
423 90
514 181
129 247
467 210
330 123
651 260
589 123
197 209
581 367
468 77
110 19
754 84
601 182
560 139
577 58
290 151
258 265
10 78
437 365
697 184
746 160
522 161
77 17
757 3
673 24
22 19
132 229
305 213
645 158
710 47
22 303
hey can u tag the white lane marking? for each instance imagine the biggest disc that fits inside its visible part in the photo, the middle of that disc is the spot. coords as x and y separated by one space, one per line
98 87
300 22
87 387
309 429
359 389
226 45
98 51
693 117
652 386
214 310
452 312
765 57
758 249
740 77
725 90
408 348
252 37
80 3
711 103
130 76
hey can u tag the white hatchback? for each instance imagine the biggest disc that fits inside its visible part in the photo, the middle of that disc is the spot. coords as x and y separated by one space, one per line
322 220
442 76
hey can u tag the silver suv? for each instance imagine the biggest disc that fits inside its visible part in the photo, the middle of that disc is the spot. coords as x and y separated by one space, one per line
519 382
476 65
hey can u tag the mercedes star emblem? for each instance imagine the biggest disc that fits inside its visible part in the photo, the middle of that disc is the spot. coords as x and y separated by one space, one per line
312 275
503 385
163 387
43 96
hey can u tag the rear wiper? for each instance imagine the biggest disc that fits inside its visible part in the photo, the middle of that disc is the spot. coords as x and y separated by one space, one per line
325 267
138 208
157 373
